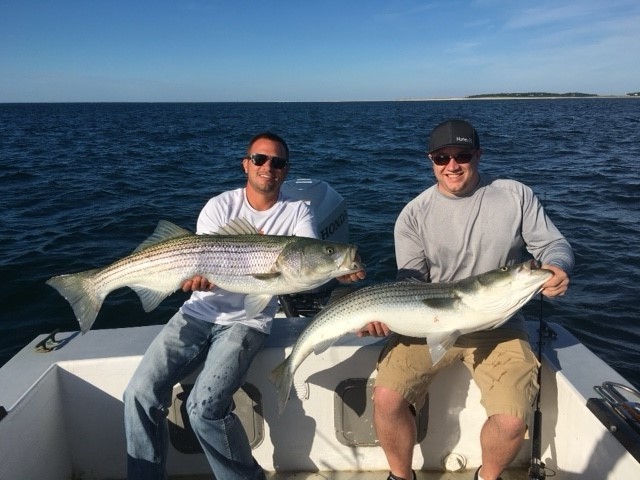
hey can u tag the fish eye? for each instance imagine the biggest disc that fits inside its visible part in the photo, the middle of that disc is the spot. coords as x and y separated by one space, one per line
504 269
330 250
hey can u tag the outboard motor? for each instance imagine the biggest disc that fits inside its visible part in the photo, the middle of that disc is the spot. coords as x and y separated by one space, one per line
330 210
328 206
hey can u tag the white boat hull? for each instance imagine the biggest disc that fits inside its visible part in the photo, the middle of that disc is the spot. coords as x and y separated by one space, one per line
65 414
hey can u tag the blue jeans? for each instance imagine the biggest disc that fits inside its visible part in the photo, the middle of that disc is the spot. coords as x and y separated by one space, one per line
183 345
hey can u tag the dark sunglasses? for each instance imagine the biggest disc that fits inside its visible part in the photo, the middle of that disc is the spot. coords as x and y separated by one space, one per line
443 159
260 159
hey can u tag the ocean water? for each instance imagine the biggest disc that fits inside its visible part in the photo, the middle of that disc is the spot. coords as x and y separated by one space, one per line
81 185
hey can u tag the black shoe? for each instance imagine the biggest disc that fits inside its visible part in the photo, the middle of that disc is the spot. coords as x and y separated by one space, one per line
393 477
475 477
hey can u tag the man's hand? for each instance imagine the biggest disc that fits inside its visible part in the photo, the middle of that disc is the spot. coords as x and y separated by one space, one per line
352 277
197 284
558 284
374 329
355 276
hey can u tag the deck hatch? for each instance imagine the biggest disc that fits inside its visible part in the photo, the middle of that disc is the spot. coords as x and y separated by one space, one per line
248 408
353 414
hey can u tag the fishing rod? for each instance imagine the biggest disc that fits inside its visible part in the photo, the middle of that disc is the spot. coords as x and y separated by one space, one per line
537 468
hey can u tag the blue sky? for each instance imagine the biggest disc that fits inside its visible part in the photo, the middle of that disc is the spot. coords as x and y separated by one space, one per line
336 50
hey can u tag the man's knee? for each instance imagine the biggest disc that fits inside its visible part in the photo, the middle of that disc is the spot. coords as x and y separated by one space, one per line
210 408
144 397
132 394
389 402
509 426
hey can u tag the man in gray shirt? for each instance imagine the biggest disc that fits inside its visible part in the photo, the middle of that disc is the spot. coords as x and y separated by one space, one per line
464 225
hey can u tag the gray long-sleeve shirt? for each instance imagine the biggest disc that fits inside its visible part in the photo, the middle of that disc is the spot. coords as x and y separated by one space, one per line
440 238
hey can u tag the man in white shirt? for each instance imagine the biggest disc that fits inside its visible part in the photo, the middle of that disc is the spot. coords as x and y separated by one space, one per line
211 330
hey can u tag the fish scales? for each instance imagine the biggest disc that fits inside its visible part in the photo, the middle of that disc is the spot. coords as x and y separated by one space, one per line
399 296
184 258
259 266
203 253
439 312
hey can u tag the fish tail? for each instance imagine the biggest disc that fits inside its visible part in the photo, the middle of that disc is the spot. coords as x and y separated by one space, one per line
282 378
80 291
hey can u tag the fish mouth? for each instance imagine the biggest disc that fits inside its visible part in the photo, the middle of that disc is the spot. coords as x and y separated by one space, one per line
534 265
533 268
350 262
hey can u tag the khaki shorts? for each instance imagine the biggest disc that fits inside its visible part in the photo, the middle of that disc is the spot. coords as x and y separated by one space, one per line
501 363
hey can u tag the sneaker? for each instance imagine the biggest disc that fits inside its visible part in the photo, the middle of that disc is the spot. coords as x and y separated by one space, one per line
475 477
393 477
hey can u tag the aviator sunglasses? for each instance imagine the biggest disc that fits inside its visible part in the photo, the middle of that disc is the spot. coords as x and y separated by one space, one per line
260 159
443 158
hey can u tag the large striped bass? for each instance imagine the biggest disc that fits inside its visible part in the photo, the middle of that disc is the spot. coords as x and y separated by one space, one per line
237 259
439 312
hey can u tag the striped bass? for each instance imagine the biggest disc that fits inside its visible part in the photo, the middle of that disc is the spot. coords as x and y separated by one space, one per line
237 259
439 312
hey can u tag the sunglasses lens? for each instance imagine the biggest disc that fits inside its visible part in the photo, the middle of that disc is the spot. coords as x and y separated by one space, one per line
440 159
443 159
260 159
278 162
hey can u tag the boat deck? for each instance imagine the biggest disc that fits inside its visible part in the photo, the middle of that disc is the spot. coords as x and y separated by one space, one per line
512 474
65 409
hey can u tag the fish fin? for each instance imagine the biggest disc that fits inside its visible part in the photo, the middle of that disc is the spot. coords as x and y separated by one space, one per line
80 291
440 303
414 280
165 230
323 345
254 304
238 226
282 378
439 343
266 276
150 298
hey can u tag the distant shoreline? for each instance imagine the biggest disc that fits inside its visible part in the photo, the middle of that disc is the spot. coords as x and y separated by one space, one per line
534 95
491 96
526 96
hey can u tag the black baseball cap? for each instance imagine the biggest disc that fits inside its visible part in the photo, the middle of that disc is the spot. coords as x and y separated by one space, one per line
453 133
